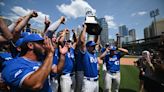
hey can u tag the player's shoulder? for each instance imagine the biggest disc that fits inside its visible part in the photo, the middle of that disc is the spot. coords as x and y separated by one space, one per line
12 62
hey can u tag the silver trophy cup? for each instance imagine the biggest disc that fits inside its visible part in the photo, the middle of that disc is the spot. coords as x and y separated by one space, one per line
93 26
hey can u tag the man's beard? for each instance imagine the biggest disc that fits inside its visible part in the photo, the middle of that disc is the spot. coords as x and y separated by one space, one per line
39 53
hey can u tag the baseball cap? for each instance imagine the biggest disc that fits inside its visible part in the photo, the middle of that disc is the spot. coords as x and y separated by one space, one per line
32 38
23 34
113 47
90 43
19 42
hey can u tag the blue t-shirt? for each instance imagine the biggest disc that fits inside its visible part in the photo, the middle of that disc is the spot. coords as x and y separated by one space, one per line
69 61
16 70
113 62
90 64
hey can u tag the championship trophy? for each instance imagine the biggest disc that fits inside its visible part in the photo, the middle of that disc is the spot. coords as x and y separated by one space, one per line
93 26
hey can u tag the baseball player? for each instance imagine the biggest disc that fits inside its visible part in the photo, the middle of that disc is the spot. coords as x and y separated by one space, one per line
90 64
26 73
67 79
112 78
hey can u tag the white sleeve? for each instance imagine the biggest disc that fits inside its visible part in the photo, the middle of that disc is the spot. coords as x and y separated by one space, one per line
53 27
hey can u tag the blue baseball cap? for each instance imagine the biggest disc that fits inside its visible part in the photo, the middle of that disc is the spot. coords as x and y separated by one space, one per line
113 47
32 38
90 43
24 34
19 42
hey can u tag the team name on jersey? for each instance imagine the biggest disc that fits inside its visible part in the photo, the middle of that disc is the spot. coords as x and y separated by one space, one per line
17 73
70 55
93 60
113 59
8 58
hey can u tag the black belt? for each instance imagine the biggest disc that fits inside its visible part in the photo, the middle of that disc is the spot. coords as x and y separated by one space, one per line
113 72
91 79
70 74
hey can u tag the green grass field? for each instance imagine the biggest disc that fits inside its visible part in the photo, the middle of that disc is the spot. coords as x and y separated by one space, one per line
129 79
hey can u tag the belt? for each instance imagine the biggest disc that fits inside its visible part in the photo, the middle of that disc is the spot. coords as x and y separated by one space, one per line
114 72
91 79
69 74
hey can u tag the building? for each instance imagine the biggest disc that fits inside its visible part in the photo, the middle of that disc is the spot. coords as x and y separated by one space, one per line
146 32
160 27
151 31
111 41
123 30
126 39
104 32
132 33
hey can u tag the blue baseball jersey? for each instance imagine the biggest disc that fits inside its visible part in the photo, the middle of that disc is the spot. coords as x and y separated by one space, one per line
4 56
90 64
16 70
113 62
55 62
69 61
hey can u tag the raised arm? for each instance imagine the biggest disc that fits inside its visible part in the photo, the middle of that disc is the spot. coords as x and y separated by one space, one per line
54 26
14 24
47 24
60 65
123 50
22 24
6 34
82 38
74 38
104 53
62 36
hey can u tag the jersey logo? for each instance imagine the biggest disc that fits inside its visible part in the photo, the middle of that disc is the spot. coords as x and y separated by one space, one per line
17 73
70 55
8 58
113 59
93 60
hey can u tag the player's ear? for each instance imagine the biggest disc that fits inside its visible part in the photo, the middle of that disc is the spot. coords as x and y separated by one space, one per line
30 45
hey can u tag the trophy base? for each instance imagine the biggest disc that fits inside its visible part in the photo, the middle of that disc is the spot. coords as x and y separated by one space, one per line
93 29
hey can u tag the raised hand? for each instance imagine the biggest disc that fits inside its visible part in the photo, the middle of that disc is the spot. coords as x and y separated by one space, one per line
73 31
63 50
66 31
84 26
33 14
48 45
46 22
62 18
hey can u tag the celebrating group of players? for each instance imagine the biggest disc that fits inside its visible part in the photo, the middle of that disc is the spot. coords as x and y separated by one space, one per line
49 63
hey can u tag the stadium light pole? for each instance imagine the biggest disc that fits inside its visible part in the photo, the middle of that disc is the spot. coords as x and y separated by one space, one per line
153 14
118 40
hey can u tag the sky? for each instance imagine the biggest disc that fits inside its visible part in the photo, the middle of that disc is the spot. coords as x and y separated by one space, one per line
135 14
